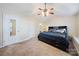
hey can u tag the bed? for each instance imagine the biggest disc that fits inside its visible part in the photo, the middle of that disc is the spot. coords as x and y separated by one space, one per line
56 36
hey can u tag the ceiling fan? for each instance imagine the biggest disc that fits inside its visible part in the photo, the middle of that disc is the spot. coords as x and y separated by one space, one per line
45 11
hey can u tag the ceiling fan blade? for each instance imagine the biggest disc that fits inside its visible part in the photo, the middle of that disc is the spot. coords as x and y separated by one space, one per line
52 9
39 14
51 13
39 8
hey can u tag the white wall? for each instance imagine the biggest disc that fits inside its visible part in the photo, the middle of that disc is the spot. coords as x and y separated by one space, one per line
64 21
25 28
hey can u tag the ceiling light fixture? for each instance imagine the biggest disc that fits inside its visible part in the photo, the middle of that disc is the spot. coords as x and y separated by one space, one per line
45 11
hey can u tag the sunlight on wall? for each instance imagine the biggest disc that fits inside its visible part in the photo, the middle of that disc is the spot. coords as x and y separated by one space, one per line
43 27
64 21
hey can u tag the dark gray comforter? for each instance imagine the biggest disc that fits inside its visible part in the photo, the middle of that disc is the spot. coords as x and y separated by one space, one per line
54 34
59 37
54 38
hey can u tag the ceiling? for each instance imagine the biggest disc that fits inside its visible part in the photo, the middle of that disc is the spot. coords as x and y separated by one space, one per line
60 9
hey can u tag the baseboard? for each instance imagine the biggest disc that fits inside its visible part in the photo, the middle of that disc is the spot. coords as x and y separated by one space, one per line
18 41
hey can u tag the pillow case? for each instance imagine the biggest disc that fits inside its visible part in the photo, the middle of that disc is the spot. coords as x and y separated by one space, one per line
60 30
57 30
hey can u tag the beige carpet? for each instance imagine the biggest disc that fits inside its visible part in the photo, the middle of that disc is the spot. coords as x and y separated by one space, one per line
32 47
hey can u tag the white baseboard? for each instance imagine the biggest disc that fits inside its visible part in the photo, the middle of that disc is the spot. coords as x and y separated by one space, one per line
18 41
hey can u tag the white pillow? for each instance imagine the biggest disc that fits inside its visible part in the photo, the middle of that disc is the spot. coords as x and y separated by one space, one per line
61 30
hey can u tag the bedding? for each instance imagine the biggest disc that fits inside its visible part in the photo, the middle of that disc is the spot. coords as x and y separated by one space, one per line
51 34
56 37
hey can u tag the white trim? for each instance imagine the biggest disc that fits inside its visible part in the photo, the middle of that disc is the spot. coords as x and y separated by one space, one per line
18 41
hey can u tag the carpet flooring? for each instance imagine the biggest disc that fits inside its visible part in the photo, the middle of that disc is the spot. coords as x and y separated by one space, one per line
31 47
